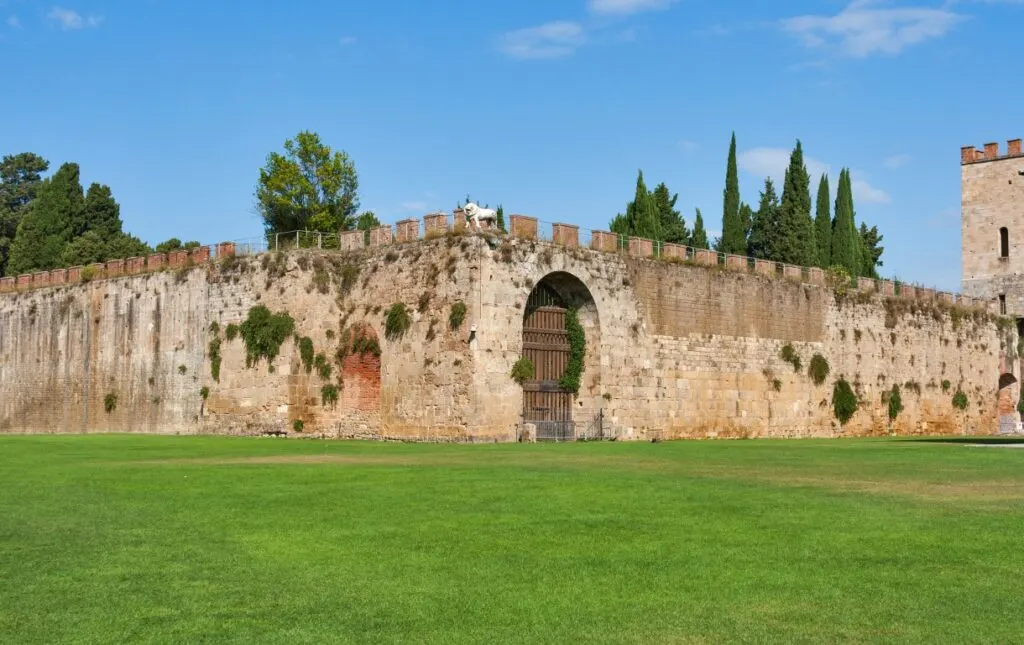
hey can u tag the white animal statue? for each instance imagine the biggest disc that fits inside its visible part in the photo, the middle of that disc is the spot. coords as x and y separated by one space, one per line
476 214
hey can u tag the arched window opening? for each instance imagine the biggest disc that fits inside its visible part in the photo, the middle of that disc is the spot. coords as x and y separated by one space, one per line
1004 243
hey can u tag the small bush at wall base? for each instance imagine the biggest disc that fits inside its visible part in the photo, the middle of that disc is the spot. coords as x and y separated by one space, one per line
819 369
329 395
960 400
523 370
458 314
844 401
110 402
87 274
297 425
397 321
895 402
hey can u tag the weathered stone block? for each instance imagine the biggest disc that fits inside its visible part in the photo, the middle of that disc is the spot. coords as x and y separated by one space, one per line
226 250
200 254
816 276
177 259
352 240
671 251
764 267
791 272
24 281
41 279
114 268
156 261
407 230
523 226
965 301
865 285
74 274
435 224
604 241
908 292
641 248
946 297
7 285
926 294
736 262
134 266
58 276
706 257
380 236
566 234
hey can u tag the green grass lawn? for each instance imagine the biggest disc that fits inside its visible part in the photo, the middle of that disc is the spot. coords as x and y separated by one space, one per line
129 539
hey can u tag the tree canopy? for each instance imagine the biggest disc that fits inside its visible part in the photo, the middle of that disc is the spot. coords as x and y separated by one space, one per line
308 187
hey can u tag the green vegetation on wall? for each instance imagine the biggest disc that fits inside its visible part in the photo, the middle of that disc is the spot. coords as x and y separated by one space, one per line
844 401
397 321
263 334
577 350
215 358
458 314
819 369
523 370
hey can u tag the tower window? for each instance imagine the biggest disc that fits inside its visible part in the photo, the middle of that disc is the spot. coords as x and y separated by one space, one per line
1004 243
1002 304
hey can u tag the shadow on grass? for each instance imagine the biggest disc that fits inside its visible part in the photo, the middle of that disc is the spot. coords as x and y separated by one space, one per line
966 440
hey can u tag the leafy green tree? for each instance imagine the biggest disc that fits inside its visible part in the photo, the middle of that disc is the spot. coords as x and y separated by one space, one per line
871 257
124 245
20 178
765 227
672 224
845 237
309 187
100 213
367 220
47 226
823 224
699 239
85 249
795 240
174 244
733 239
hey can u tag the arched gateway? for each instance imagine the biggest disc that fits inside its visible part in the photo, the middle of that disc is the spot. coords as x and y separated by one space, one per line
547 404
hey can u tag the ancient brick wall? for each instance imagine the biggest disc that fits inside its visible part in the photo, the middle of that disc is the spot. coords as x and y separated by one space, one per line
673 349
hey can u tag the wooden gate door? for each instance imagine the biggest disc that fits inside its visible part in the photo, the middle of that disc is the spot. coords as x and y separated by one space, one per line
546 404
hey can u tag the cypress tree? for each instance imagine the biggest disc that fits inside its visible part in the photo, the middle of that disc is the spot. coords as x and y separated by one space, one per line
699 240
733 240
746 221
845 240
763 238
500 223
47 227
672 224
872 252
823 224
99 213
642 214
795 235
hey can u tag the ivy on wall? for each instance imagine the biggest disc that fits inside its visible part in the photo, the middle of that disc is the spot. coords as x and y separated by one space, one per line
577 349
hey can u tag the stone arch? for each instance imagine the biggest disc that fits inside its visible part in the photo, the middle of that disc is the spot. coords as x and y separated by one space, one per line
544 340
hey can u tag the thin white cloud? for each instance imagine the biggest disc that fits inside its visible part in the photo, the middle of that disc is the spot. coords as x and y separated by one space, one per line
549 40
626 7
897 161
863 28
413 206
13 22
688 146
69 19
347 40
772 162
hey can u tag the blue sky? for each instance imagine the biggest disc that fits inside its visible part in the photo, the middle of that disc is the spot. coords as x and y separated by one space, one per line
548 107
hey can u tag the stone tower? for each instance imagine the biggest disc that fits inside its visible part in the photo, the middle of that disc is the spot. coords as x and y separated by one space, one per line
992 225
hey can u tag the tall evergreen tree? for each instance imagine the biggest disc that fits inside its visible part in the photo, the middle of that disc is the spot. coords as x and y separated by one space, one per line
823 224
796 244
99 213
20 178
699 239
871 249
500 219
764 229
845 239
746 221
672 224
733 239
47 226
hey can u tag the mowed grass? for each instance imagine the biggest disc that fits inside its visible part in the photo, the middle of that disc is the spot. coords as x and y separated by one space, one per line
118 539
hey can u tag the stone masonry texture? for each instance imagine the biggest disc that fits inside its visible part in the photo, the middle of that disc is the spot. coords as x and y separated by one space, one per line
674 349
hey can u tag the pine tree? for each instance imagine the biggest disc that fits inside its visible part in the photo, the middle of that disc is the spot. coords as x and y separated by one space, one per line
47 226
823 224
746 222
99 213
872 250
699 239
845 240
733 240
764 229
672 224
20 178
796 244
